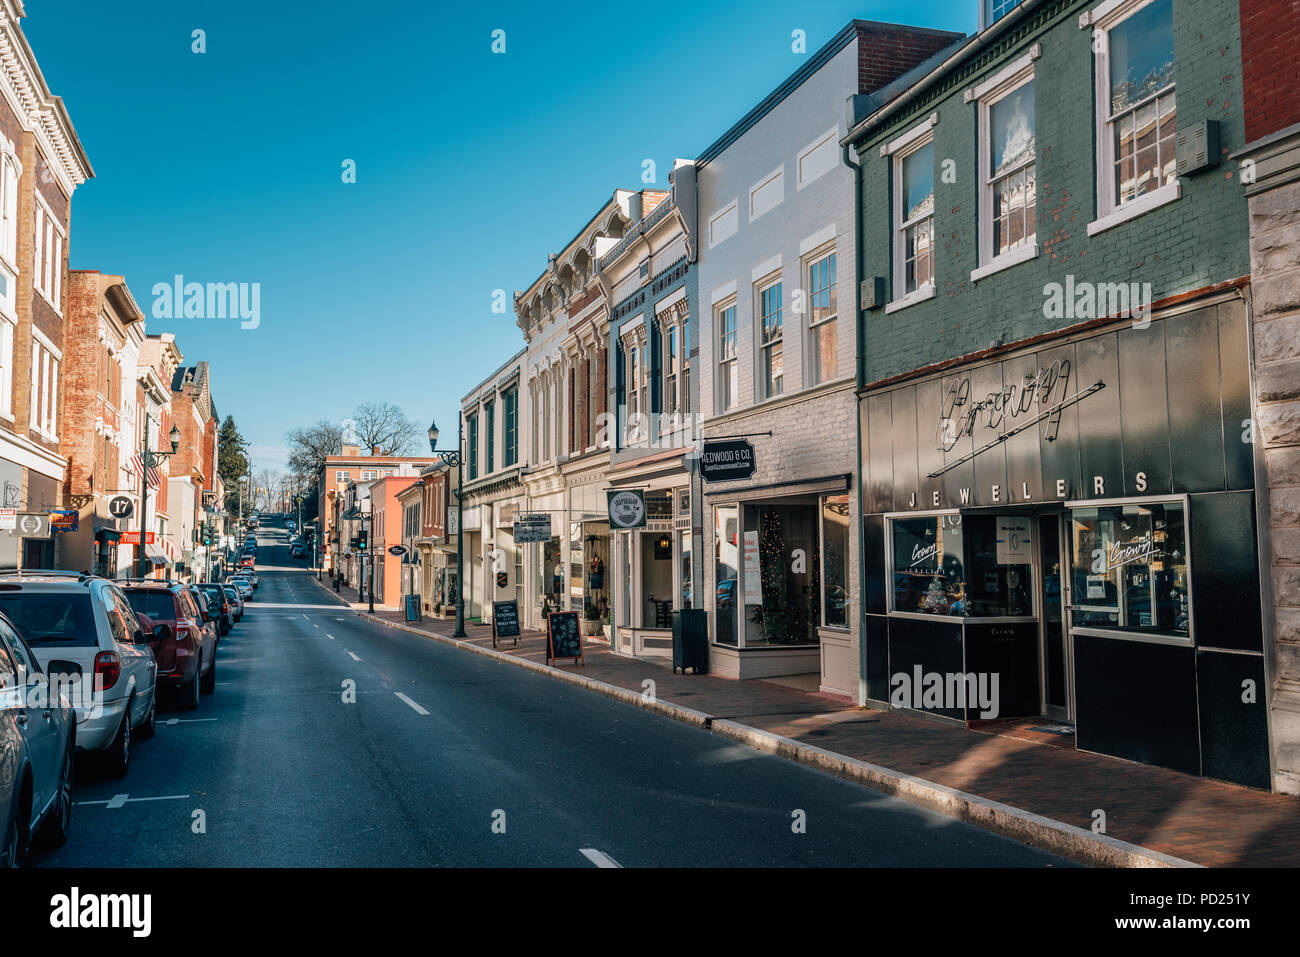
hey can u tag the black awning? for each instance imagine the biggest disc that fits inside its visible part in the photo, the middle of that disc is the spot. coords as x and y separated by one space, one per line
107 535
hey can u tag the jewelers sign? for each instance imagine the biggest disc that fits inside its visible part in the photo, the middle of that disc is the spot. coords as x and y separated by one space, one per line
726 460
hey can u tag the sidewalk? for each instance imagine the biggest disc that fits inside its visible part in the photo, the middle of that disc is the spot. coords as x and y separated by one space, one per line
1198 820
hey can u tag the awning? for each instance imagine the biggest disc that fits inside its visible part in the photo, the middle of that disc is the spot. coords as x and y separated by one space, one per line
107 535
155 555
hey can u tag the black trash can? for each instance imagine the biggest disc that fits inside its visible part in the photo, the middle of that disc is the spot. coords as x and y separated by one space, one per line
691 640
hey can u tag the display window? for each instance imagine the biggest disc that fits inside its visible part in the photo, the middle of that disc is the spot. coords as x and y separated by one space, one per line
1129 568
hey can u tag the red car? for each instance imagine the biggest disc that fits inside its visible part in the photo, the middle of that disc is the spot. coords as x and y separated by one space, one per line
246 561
186 650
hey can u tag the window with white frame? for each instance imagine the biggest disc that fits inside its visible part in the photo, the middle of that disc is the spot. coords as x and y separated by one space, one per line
6 368
728 372
44 391
48 263
995 10
10 173
914 218
772 345
670 369
634 382
1008 168
1137 120
340 477
823 362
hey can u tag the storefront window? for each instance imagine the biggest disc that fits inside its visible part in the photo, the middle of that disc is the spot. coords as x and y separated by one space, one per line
999 572
684 568
835 560
928 566
656 579
726 571
1129 568
784 610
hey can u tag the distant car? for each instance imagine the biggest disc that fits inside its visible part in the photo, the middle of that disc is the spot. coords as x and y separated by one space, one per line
247 561
186 648
244 586
236 600
37 739
85 625
296 551
216 596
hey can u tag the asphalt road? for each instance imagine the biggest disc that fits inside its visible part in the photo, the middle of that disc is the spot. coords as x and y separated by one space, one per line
449 759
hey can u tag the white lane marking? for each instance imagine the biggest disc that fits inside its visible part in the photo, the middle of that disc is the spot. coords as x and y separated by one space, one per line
314 625
599 858
305 617
190 720
418 709
299 605
329 636
353 657
119 799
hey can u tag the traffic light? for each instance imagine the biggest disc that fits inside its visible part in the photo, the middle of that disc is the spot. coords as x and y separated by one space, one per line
361 540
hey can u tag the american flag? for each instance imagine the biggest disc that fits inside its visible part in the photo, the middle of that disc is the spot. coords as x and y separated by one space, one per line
155 477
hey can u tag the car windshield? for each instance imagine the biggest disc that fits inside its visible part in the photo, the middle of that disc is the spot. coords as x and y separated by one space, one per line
157 603
51 618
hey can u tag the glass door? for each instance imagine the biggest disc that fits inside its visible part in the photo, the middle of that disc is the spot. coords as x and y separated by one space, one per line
1058 699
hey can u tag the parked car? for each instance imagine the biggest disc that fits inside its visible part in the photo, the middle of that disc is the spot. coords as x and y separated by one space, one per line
37 738
246 561
85 623
236 600
244 586
296 551
185 646
218 602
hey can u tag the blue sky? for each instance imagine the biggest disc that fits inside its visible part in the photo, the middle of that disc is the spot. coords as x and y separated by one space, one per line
470 167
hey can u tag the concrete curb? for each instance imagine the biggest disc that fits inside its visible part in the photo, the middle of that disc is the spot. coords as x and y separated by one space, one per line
1057 837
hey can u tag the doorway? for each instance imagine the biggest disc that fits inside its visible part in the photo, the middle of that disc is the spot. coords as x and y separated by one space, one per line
1057 655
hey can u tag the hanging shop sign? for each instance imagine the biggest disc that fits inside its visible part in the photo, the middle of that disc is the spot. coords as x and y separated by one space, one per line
63 519
626 508
133 538
726 460
119 506
34 524
398 550
535 527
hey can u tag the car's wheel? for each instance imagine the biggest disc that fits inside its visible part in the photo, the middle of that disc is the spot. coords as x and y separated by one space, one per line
190 690
54 832
209 683
149 726
117 759
11 855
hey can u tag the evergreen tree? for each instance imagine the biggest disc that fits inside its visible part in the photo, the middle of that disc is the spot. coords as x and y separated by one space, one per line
232 461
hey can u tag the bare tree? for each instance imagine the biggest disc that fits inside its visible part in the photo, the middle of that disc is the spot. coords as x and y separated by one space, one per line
383 426
309 447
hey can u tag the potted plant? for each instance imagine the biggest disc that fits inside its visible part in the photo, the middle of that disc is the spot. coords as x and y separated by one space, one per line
590 619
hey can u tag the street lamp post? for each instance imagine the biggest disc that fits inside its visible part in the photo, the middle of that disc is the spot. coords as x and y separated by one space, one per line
454 460
150 459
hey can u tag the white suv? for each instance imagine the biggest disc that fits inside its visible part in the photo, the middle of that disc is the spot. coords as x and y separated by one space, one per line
87 621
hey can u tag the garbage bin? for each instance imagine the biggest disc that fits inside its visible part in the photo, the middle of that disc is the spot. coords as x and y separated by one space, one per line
691 640
336 583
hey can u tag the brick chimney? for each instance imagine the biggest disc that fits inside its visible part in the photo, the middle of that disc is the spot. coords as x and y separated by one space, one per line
888 50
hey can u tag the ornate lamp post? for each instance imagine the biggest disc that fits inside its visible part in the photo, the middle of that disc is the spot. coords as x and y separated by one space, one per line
150 460
454 460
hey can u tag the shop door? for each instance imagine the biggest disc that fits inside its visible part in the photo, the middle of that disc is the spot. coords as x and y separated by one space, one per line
1058 684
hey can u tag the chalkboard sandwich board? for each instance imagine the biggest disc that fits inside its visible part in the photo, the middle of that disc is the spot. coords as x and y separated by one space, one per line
413 610
563 636
505 621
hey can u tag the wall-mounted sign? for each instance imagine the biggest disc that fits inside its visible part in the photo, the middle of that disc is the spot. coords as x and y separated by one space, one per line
8 519
133 538
626 508
120 506
63 519
535 527
726 460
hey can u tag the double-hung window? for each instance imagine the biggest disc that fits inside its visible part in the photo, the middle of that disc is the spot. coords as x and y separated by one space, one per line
914 218
48 264
471 444
772 343
1137 121
511 452
670 369
822 345
728 373
1007 166
490 436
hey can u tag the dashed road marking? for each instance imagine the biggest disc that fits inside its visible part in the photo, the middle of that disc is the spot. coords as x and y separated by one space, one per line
117 800
189 720
418 709
599 858
353 657
329 636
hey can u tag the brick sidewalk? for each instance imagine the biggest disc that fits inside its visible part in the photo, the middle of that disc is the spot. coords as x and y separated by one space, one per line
1199 820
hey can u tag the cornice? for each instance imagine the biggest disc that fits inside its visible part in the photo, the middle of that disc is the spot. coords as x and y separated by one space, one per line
38 110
